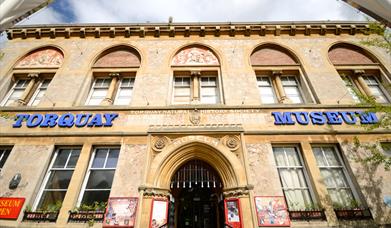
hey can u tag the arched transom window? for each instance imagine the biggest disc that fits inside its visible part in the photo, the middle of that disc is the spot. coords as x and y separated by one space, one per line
196 76
32 75
114 75
360 72
279 77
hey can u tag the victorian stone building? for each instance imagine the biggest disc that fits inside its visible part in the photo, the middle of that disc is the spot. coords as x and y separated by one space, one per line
202 125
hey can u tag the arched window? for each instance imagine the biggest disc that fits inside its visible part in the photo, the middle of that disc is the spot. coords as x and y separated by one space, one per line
359 71
114 74
279 76
32 75
196 69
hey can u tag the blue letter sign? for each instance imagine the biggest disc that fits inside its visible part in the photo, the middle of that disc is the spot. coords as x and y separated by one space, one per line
66 120
321 118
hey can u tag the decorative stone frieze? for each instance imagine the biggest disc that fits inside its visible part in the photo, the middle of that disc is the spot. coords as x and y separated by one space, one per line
242 191
228 29
153 192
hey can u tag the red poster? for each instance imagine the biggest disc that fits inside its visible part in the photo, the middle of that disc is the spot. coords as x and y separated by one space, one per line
10 207
121 212
271 211
233 215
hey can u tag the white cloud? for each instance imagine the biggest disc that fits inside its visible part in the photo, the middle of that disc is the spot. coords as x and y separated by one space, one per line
44 16
125 11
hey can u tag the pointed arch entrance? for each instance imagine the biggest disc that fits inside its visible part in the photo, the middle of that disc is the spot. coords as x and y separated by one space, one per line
169 176
197 198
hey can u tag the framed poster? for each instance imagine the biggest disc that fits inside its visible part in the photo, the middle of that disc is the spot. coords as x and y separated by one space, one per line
159 213
272 211
232 213
121 212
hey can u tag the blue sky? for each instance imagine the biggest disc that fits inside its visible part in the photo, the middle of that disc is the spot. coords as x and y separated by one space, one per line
138 11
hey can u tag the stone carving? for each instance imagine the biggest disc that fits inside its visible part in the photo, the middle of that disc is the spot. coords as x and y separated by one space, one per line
232 142
195 117
153 192
195 56
158 143
238 192
42 58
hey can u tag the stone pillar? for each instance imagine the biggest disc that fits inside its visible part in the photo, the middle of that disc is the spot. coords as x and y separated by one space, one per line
23 99
196 85
280 89
319 187
74 187
362 83
110 92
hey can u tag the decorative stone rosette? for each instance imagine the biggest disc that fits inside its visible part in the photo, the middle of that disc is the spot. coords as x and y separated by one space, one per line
231 141
159 143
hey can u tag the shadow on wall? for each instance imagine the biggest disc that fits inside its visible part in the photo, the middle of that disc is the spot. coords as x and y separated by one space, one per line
370 177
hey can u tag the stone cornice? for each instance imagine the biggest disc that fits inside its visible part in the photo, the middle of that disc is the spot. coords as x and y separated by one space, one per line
188 29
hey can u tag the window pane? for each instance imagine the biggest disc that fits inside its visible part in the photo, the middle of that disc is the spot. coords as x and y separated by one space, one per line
279 155
4 153
378 94
59 179
331 156
100 179
209 100
292 178
297 199
38 97
341 197
113 158
50 198
99 93
22 83
182 81
288 81
182 91
208 91
125 92
90 197
319 156
293 158
100 158
122 101
73 159
61 159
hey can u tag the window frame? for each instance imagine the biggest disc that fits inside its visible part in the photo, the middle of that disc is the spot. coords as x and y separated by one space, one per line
92 89
202 73
88 172
216 88
9 93
119 86
305 92
343 167
303 167
272 87
37 90
298 86
175 86
372 70
50 169
3 151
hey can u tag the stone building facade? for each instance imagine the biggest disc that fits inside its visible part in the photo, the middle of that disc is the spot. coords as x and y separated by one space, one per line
258 110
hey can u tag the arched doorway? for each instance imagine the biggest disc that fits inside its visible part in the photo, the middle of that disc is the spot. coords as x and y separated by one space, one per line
197 200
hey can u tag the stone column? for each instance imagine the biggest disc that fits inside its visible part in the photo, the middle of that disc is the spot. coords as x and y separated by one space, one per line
320 188
75 184
23 100
195 75
110 92
363 84
280 89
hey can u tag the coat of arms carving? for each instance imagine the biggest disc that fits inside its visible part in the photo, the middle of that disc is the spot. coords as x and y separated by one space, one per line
195 117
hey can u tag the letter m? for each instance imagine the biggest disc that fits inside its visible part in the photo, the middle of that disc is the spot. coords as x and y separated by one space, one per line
284 118
368 117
